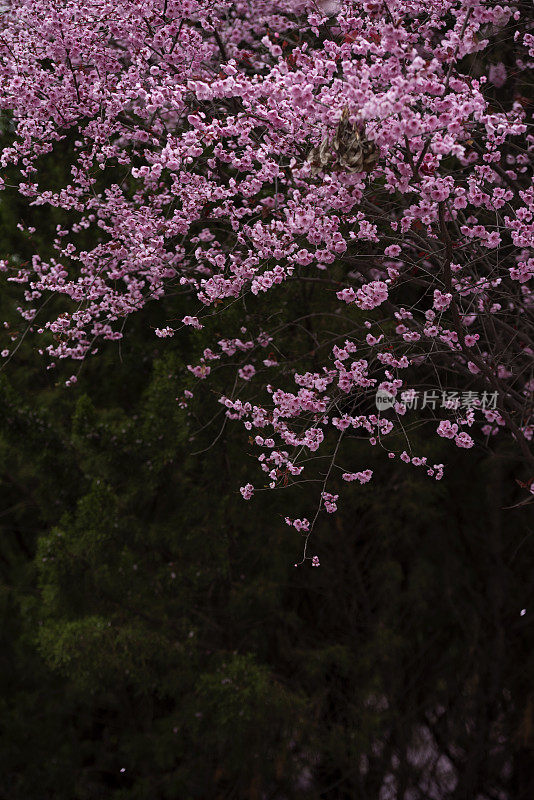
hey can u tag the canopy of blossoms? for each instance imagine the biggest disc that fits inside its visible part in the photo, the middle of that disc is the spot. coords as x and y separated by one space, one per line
229 148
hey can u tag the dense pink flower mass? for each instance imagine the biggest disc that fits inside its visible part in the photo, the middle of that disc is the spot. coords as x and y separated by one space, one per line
231 147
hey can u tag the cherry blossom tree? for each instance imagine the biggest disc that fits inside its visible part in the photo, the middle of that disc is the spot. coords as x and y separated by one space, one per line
220 152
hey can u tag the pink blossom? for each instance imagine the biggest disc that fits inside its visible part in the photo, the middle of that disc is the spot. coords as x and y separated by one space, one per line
247 491
363 477
447 429
298 524
348 295
464 440
329 501
193 321
372 295
201 371
246 372
441 300
471 340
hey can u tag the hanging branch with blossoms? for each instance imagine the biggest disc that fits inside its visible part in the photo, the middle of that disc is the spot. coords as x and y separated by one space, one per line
231 149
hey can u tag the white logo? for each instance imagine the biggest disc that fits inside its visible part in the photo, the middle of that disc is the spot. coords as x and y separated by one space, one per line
384 400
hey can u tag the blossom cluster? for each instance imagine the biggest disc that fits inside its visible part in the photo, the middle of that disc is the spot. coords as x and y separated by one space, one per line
208 112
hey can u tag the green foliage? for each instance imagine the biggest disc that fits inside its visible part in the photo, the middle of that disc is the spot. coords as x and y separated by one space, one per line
154 623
